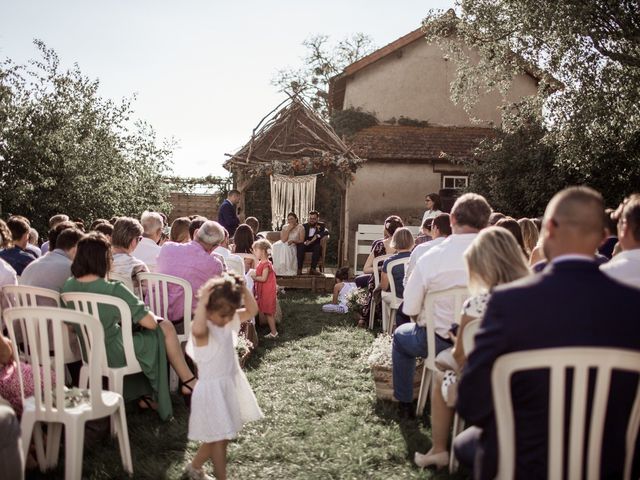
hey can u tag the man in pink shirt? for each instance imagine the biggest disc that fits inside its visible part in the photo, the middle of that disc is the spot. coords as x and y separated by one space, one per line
191 261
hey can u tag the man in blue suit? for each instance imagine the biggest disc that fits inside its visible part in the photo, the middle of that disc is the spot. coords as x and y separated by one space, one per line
227 214
570 304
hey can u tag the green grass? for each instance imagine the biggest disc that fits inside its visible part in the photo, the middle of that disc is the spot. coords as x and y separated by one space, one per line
322 419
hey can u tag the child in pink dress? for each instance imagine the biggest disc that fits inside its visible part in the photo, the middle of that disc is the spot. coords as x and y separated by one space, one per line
265 285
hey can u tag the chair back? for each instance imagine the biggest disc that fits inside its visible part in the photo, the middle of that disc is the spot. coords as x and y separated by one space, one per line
469 335
235 265
458 295
47 357
89 303
156 286
27 296
377 266
392 282
582 361
126 280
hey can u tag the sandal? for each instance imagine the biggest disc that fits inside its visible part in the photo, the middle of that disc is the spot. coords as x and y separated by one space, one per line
187 396
146 403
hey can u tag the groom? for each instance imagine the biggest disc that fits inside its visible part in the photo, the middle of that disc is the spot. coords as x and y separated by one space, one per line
313 233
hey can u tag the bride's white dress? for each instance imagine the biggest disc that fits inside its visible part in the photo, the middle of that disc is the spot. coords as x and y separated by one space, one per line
285 257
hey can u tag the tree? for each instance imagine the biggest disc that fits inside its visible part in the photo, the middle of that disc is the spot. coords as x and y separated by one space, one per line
323 61
64 149
588 56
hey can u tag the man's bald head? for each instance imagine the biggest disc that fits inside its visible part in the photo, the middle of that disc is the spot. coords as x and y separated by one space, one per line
574 222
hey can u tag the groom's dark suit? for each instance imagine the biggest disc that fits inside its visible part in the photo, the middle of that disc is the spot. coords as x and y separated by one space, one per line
572 304
312 234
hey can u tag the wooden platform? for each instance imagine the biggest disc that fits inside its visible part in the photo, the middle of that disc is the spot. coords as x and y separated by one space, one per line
316 283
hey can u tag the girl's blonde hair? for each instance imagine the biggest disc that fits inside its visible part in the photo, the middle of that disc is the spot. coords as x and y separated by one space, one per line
402 239
494 258
530 234
262 244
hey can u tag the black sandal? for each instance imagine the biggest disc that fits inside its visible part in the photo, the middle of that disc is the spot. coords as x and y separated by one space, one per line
187 396
147 401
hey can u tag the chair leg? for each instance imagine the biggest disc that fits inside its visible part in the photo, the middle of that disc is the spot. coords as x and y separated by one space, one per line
458 427
26 425
73 449
425 386
38 439
372 313
53 444
115 385
120 418
392 321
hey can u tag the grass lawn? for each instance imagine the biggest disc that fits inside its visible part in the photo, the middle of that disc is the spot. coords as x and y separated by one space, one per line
322 420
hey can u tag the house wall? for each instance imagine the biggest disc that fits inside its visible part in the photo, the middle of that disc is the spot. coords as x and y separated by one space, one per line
385 188
415 83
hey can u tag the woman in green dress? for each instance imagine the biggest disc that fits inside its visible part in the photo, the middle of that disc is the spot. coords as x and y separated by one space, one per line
152 345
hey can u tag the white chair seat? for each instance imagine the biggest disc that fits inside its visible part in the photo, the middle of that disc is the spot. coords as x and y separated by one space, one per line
109 399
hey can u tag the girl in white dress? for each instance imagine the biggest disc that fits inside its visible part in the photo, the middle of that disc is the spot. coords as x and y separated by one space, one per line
341 289
222 400
283 252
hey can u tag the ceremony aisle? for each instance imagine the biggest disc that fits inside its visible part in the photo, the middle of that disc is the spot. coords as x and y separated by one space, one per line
322 420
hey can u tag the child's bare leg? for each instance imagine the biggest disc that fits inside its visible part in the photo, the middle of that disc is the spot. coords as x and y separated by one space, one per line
202 455
271 320
219 458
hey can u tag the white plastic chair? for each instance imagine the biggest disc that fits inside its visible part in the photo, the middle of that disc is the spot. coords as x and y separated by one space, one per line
391 302
126 280
468 342
234 265
459 295
156 286
377 265
88 303
27 296
48 402
557 360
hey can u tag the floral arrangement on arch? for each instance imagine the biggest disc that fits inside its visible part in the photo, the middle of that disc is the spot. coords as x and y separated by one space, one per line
300 166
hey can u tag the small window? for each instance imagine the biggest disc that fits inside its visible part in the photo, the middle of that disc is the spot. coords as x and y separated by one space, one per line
457 182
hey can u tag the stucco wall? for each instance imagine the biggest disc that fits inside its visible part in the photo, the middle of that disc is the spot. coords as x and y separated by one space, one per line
415 83
381 189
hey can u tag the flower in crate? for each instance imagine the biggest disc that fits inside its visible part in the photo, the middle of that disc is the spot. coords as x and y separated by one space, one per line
244 345
356 299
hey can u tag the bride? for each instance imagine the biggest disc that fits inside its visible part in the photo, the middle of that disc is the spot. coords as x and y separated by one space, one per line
283 252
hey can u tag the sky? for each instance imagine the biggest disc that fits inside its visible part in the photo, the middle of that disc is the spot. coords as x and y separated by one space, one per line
201 70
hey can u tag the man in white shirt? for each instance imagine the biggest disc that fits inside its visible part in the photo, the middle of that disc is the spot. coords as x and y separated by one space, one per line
440 230
148 249
625 266
233 262
441 268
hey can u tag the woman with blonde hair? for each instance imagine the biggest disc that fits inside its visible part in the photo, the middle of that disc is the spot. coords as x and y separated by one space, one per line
530 234
179 231
494 258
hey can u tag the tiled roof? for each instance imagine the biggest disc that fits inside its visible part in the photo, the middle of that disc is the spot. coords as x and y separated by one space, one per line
396 142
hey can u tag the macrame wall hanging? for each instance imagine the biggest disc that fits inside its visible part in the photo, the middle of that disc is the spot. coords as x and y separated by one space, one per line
291 194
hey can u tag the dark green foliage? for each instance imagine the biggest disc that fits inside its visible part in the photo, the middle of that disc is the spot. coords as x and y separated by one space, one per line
349 121
64 149
412 122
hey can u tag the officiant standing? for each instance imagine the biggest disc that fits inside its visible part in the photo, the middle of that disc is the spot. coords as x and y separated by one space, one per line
314 231
227 214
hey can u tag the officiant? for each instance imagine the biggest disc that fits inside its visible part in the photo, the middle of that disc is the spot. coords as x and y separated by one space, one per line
314 231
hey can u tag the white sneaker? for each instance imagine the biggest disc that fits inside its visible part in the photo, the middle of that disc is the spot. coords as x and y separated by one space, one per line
271 335
192 473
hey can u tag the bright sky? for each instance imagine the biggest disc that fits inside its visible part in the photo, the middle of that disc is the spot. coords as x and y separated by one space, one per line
201 69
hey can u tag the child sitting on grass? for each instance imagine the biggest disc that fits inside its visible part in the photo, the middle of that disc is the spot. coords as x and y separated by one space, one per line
341 290
265 285
222 400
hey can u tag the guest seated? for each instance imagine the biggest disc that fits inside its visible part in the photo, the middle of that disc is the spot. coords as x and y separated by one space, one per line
18 256
611 229
440 230
243 243
105 228
402 243
378 248
512 226
341 290
625 266
53 221
152 345
254 223
147 249
52 270
530 235
127 235
494 258
196 222
225 254
425 232
284 251
439 269
179 232
314 231
32 246
571 304
7 273
192 262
